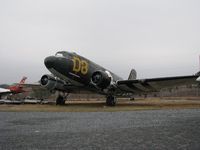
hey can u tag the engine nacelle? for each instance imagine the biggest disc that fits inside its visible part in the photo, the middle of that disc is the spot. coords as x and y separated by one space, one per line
51 83
101 79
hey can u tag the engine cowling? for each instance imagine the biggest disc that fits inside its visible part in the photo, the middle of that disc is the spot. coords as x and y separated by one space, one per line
101 79
51 83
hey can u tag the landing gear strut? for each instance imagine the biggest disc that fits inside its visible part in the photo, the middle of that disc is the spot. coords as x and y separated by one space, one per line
111 100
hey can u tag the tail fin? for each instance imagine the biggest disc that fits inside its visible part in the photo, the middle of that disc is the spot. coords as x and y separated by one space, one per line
133 75
23 80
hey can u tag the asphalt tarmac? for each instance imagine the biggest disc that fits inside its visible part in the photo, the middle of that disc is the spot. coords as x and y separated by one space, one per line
152 129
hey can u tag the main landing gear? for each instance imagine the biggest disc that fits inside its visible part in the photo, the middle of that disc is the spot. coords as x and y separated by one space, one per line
60 100
111 100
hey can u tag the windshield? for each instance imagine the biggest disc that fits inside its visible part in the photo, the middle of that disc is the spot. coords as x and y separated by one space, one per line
63 54
59 54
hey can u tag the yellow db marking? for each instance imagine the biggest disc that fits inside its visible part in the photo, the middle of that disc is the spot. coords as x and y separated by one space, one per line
76 66
80 65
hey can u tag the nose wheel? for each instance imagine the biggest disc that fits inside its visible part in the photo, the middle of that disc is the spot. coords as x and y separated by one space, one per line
111 100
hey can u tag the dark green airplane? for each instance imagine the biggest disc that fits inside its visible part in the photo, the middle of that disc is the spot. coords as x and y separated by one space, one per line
72 73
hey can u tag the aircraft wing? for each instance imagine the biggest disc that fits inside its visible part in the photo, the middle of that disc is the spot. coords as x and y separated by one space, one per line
4 92
155 84
33 87
38 87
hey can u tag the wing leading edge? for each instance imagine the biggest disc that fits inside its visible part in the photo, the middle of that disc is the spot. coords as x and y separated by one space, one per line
155 84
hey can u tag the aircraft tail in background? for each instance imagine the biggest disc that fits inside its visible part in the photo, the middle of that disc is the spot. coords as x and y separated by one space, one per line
23 80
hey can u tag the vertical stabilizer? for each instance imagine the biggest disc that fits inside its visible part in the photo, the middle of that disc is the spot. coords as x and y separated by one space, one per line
23 80
133 75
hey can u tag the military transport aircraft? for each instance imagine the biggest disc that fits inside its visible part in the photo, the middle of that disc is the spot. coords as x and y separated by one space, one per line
72 73
13 89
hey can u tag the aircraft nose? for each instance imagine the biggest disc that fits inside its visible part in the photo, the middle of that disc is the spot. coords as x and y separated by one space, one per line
49 61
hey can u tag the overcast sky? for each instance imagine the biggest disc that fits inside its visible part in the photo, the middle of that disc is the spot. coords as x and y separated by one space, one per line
156 37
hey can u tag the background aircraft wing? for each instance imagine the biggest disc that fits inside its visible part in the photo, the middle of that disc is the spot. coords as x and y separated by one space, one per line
33 86
8 92
4 92
155 84
67 88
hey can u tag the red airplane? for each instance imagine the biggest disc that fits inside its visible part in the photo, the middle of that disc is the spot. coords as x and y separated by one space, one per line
13 89
17 88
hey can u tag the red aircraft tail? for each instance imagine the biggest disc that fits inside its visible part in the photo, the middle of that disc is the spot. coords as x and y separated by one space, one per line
23 80
17 88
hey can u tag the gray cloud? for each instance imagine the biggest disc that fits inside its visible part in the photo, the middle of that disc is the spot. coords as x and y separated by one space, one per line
157 37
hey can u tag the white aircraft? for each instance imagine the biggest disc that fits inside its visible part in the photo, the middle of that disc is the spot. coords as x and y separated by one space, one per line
4 92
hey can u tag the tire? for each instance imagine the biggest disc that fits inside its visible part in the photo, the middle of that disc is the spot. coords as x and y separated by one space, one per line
111 101
60 100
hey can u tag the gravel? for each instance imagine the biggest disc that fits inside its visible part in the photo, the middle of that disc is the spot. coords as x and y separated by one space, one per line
152 129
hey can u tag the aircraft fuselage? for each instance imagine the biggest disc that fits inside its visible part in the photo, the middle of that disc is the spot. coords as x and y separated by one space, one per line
74 68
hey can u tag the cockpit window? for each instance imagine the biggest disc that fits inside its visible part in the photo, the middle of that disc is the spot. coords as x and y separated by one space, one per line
63 54
59 54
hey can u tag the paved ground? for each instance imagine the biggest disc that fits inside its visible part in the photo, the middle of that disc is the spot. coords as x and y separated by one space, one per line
153 129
